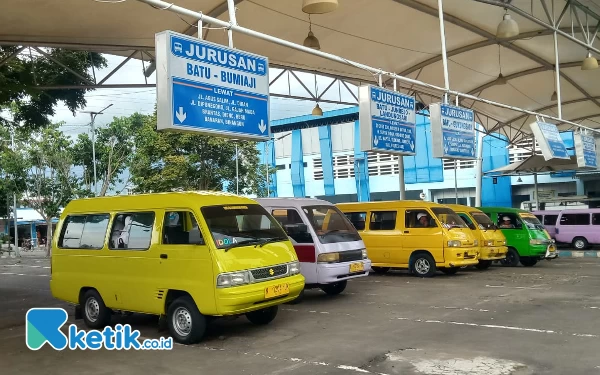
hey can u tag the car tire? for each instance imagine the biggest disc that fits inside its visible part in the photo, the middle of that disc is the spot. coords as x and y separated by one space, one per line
528 261
580 243
449 270
422 265
334 288
512 258
380 270
185 322
263 316
95 313
483 264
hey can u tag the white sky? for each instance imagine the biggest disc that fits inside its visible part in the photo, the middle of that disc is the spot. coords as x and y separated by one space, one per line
128 101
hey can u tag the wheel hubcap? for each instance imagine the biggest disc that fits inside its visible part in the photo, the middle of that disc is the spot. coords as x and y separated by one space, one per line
92 309
182 321
579 244
422 266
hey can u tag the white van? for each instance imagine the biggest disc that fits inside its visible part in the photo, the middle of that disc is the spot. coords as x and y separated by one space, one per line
328 246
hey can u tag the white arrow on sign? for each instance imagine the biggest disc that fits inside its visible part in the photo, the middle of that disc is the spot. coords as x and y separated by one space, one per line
262 126
180 115
375 140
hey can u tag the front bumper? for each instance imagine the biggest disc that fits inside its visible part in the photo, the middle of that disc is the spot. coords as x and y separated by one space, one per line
461 256
551 252
242 299
493 253
334 272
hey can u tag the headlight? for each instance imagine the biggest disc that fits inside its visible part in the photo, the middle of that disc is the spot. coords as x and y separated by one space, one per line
537 241
476 243
489 243
504 242
226 280
294 268
454 243
364 253
328 258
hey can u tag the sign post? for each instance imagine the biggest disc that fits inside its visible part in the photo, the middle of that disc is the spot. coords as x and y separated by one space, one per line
585 149
387 121
549 140
452 131
210 89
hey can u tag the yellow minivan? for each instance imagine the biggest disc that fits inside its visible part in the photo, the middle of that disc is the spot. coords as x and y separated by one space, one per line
421 236
185 256
492 243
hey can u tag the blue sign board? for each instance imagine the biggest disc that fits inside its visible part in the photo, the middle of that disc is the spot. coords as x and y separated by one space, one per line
387 121
452 131
585 149
210 89
549 139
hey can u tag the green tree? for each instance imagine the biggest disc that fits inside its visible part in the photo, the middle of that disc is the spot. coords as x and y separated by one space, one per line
114 151
20 75
12 172
167 161
50 182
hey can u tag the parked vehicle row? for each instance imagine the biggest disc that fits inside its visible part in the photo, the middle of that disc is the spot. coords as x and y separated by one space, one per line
580 228
189 257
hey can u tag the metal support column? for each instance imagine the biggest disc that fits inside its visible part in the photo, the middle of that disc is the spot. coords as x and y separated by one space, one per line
267 165
237 170
401 184
232 21
535 191
94 154
455 181
557 77
15 218
479 170
444 55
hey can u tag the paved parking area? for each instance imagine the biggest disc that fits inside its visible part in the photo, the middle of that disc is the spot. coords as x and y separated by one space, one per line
539 320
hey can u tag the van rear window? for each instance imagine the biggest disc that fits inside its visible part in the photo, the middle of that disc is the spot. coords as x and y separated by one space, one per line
84 232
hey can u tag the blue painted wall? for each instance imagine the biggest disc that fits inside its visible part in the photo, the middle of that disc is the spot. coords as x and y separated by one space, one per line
361 168
327 159
495 155
423 167
298 184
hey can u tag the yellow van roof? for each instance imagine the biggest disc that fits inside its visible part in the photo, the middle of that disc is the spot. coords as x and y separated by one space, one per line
155 200
463 208
389 204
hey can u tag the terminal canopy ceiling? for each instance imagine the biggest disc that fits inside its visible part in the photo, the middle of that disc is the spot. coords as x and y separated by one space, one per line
400 36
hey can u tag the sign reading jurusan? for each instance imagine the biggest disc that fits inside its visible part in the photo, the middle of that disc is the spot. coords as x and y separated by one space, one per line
210 89
585 149
387 121
452 131
549 140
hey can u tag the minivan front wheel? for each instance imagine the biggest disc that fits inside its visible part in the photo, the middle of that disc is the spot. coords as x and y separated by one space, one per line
528 261
422 265
186 324
580 243
512 258
95 313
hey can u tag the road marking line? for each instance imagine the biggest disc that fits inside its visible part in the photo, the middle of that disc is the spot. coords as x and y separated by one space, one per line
21 274
24 265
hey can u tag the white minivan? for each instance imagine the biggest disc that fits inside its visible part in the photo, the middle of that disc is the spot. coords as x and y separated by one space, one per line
328 246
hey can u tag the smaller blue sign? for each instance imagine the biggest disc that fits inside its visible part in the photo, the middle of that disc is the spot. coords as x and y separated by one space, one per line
387 121
452 131
554 145
585 149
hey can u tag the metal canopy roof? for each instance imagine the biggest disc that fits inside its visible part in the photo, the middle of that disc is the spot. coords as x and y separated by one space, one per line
399 36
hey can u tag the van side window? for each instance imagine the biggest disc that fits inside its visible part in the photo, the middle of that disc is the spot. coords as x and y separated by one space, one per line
291 218
595 219
181 228
383 220
509 221
84 232
132 231
419 219
575 219
550 219
357 219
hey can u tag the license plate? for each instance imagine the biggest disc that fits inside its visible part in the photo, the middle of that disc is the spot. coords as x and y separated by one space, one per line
356 267
277 290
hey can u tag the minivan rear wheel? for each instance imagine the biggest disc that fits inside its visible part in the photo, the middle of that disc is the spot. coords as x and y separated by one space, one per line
186 324
512 258
580 243
95 313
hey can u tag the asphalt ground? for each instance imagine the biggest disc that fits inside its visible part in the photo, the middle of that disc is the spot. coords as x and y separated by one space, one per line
538 320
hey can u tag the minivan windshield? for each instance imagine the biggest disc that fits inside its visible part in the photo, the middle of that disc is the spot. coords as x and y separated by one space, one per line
330 224
483 220
448 218
239 225
532 222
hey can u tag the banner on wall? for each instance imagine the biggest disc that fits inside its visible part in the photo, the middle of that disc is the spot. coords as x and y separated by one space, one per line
585 149
452 131
549 139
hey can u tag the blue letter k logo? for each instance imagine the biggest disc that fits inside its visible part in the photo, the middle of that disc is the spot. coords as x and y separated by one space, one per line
43 325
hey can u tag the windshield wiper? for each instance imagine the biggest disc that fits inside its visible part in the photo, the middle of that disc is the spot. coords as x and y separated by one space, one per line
241 243
272 239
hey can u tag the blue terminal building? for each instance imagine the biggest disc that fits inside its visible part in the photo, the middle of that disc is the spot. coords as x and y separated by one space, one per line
320 157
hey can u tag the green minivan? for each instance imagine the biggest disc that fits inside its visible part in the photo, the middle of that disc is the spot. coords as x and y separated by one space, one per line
526 238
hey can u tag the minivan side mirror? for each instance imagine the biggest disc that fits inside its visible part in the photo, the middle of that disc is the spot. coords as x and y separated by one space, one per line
295 228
